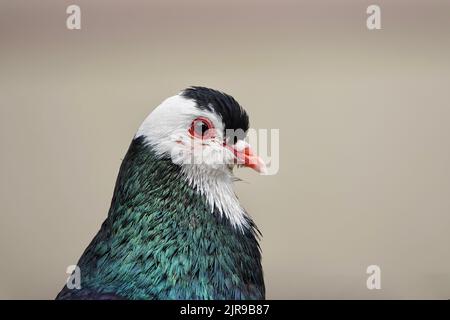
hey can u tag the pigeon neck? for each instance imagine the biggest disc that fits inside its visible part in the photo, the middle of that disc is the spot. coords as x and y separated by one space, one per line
216 187
160 231
150 183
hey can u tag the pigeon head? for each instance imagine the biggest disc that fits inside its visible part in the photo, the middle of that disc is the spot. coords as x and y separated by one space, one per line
203 130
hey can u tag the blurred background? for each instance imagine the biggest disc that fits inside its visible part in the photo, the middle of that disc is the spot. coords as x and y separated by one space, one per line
364 132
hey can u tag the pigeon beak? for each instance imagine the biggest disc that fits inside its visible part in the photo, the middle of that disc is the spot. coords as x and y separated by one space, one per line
245 156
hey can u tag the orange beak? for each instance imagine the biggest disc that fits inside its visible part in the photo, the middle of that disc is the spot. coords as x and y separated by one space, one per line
245 156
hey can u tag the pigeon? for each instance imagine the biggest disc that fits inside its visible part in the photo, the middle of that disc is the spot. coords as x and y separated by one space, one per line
175 229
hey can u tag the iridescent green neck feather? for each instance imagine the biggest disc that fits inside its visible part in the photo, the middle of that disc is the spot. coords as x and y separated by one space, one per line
161 241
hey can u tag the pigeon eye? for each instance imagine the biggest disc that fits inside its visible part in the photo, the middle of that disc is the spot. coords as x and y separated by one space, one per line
202 128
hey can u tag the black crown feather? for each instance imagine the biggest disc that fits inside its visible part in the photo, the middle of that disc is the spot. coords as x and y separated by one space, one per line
233 115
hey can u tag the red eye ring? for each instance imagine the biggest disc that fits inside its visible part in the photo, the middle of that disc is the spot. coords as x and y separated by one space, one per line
202 128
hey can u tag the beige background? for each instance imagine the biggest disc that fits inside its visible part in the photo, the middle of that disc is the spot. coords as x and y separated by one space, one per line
363 116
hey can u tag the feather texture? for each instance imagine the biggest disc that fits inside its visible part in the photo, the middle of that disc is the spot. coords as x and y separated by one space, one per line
160 241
